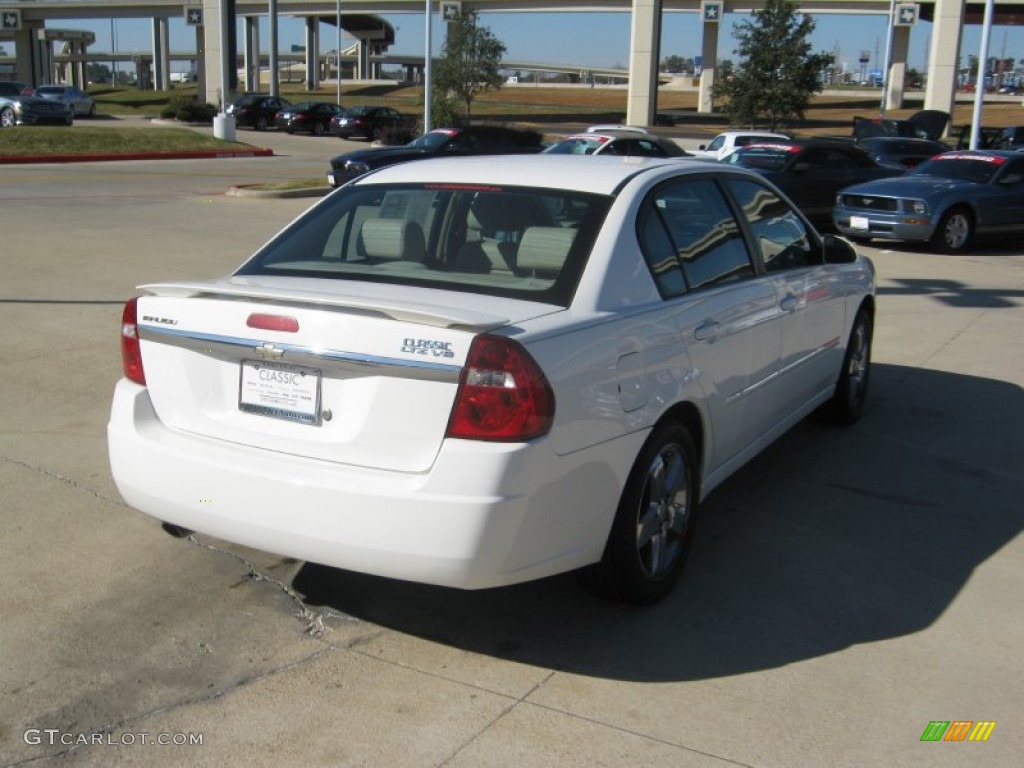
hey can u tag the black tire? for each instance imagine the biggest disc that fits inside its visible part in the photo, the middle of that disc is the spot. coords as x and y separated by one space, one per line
261 123
654 525
319 129
7 118
92 110
377 134
955 231
847 403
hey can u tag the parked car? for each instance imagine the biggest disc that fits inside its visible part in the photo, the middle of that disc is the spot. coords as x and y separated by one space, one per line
12 89
811 171
899 153
371 122
308 116
1011 137
726 143
18 109
947 201
256 110
80 102
926 124
479 371
443 142
624 142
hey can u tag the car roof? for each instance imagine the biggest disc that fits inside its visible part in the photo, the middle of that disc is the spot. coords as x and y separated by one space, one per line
598 174
767 134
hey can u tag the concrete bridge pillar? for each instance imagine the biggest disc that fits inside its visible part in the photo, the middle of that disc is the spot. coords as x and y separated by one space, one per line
943 54
897 68
312 53
252 53
161 54
644 47
709 59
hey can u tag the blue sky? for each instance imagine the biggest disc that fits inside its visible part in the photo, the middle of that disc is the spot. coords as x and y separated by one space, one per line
590 39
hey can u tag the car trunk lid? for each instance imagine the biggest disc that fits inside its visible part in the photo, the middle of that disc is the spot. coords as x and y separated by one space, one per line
365 377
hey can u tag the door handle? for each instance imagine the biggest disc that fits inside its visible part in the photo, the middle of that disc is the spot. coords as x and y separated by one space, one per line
706 330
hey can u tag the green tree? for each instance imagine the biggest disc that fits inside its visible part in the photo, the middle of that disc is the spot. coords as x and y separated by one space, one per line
777 73
469 65
672 63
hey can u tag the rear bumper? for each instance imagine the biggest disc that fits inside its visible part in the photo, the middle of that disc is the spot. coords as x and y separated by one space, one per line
485 515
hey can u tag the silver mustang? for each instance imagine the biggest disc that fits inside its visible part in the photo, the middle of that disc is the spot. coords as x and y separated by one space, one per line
947 201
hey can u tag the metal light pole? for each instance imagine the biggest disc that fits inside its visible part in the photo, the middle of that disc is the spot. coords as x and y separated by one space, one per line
979 83
427 85
888 58
113 49
338 13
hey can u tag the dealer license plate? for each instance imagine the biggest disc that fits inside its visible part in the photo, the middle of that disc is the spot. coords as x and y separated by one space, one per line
280 391
859 222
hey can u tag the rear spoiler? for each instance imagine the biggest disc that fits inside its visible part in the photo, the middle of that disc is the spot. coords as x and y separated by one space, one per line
402 310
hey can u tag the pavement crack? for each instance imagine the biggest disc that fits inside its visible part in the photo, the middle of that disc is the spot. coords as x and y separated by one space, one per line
312 620
68 481
123 723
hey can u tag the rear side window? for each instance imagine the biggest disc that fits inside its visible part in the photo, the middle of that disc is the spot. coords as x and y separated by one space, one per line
516 242
690 238
784 240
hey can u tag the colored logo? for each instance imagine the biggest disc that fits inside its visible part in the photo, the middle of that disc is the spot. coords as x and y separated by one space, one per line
958 730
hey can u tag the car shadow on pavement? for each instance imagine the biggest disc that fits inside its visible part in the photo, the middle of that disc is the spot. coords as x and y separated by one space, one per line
831 538
954 293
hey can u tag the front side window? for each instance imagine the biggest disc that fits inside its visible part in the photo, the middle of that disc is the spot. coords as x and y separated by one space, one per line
690 238
782 237
516 242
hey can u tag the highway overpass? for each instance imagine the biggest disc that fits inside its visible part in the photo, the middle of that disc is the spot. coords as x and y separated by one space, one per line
36 60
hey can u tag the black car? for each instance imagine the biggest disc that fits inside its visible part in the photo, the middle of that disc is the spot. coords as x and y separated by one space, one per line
441 142
308 116
926 124
900 153
256 110
371 122
811 171
16 108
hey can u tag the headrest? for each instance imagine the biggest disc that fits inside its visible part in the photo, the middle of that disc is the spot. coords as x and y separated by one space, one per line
393 239
544 249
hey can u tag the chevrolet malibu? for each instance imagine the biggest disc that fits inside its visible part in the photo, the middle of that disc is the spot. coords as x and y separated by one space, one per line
947 201
474 372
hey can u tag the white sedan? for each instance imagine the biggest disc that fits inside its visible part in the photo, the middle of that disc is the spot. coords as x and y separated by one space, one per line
724 144
479 371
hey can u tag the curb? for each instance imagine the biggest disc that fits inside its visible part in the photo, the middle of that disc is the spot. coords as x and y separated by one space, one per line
195 154
253 191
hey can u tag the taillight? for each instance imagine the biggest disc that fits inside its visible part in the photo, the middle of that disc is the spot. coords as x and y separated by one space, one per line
131 352
503 394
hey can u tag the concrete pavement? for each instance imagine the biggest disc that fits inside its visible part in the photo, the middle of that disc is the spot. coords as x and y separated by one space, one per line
849 586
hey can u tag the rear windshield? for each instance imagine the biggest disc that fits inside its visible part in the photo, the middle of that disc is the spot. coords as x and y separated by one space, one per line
762 157
515 242
577 145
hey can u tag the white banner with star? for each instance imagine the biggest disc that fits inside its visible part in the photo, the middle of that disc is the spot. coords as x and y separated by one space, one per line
711 11
906 14
194 15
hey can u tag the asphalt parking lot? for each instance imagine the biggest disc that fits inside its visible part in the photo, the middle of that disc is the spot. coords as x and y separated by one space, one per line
849 587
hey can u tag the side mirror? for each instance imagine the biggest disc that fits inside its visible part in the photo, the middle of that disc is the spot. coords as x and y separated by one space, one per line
838 251
702 146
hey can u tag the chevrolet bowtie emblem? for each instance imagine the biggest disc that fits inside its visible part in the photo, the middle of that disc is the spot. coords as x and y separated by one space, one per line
267 351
